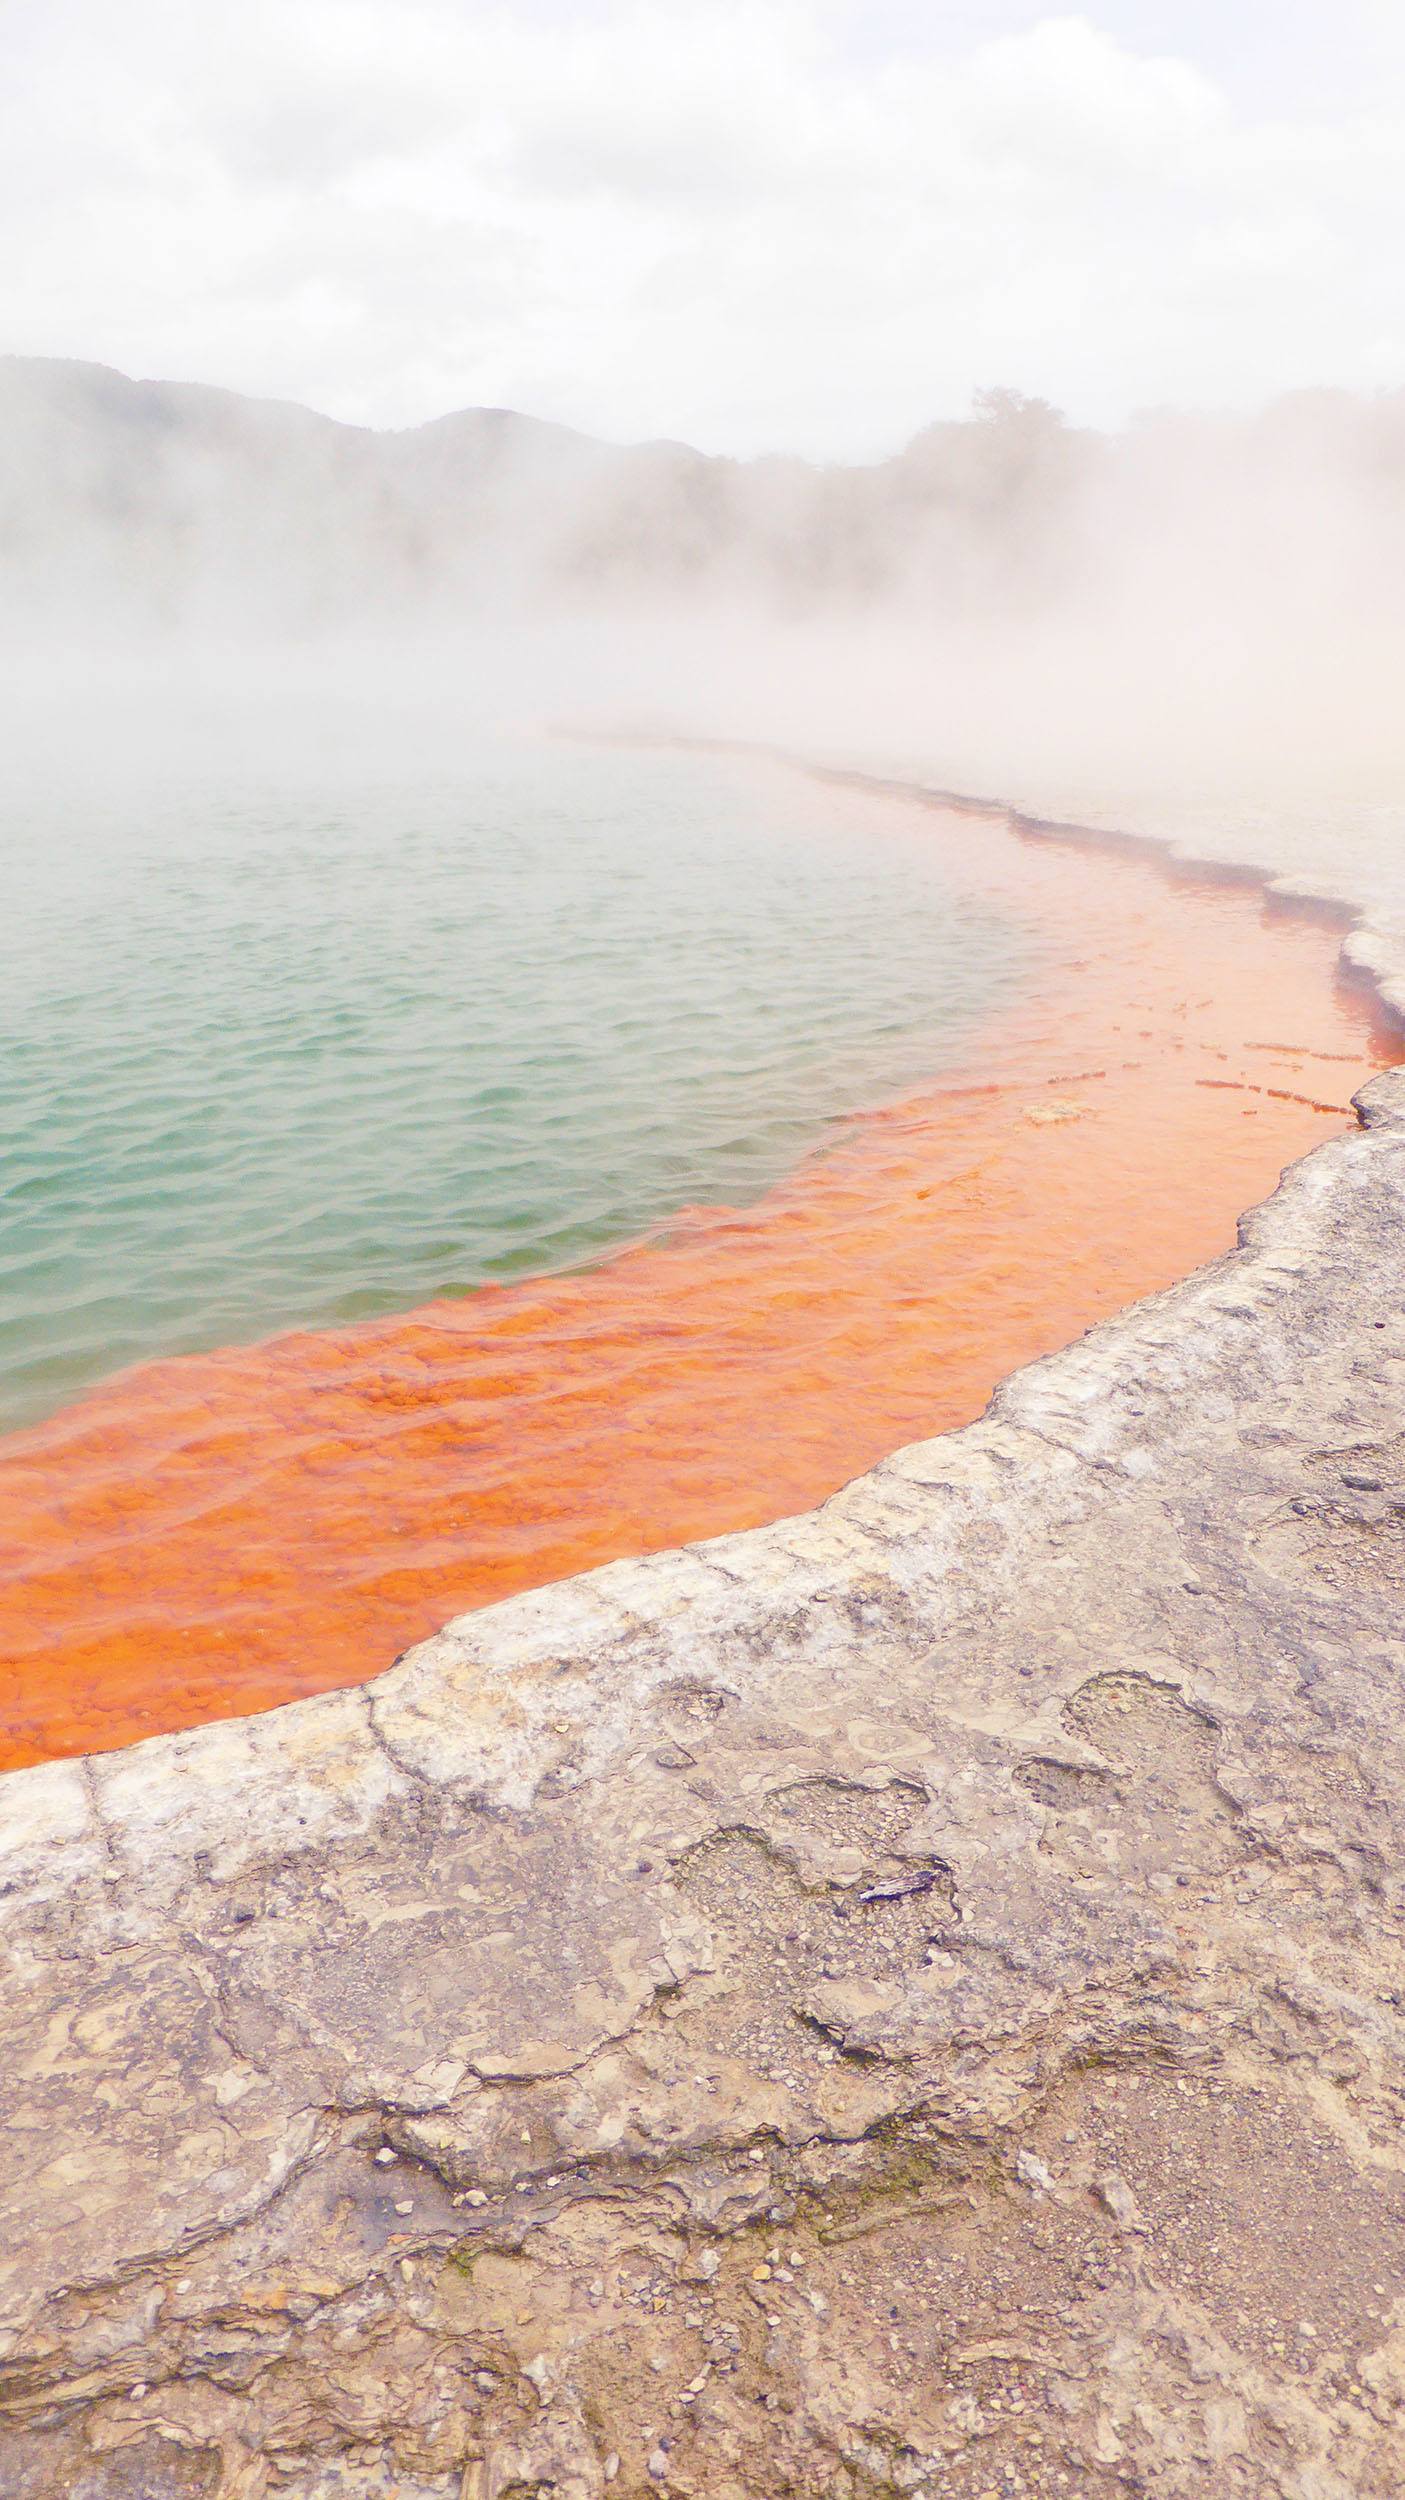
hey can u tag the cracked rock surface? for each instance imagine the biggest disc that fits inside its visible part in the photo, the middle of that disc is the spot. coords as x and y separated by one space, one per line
905 2001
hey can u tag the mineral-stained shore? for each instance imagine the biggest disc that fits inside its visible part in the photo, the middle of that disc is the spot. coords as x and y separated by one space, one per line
908 2000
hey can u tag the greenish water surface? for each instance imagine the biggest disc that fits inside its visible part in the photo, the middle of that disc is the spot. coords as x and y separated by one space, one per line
281 1055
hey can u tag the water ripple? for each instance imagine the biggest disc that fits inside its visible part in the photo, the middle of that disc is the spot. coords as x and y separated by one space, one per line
271 1060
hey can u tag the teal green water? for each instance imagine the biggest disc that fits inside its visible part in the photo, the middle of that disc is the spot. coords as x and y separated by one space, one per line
284 1056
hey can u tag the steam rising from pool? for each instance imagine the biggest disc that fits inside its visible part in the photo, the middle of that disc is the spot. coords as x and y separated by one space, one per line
1198 624
308 1021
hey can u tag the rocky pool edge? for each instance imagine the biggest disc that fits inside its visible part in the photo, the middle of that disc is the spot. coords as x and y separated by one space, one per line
1066 1746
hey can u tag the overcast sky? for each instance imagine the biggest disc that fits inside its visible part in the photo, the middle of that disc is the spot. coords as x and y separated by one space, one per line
809 226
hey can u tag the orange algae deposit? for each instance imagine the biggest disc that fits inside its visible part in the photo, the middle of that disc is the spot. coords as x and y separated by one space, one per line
216 1533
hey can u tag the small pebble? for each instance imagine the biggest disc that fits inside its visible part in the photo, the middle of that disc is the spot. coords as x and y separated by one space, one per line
385 2155
405 2205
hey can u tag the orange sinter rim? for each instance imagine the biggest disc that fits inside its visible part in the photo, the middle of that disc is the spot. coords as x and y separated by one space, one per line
215 1533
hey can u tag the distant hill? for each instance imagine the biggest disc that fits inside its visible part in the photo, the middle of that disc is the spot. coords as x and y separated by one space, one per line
132 504
177 503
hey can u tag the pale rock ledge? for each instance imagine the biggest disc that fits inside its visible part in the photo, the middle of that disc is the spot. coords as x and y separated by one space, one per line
905 2001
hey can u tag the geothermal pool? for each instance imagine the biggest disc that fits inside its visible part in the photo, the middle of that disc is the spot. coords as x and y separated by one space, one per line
639 1146
295 1055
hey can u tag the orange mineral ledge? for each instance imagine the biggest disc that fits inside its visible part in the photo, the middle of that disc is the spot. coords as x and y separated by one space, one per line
215 1533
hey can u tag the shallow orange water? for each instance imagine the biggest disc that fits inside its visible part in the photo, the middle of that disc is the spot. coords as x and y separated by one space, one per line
217 1533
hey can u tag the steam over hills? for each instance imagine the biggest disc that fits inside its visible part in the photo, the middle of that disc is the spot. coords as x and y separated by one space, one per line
1193 593
164 503
168 502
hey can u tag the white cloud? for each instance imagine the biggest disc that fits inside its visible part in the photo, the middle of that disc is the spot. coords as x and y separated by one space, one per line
743 226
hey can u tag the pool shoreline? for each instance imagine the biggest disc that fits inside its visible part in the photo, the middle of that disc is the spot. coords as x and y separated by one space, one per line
999 1860
224 1532
1372 954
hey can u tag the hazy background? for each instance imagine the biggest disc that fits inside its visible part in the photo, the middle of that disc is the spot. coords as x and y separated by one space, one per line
1006 395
